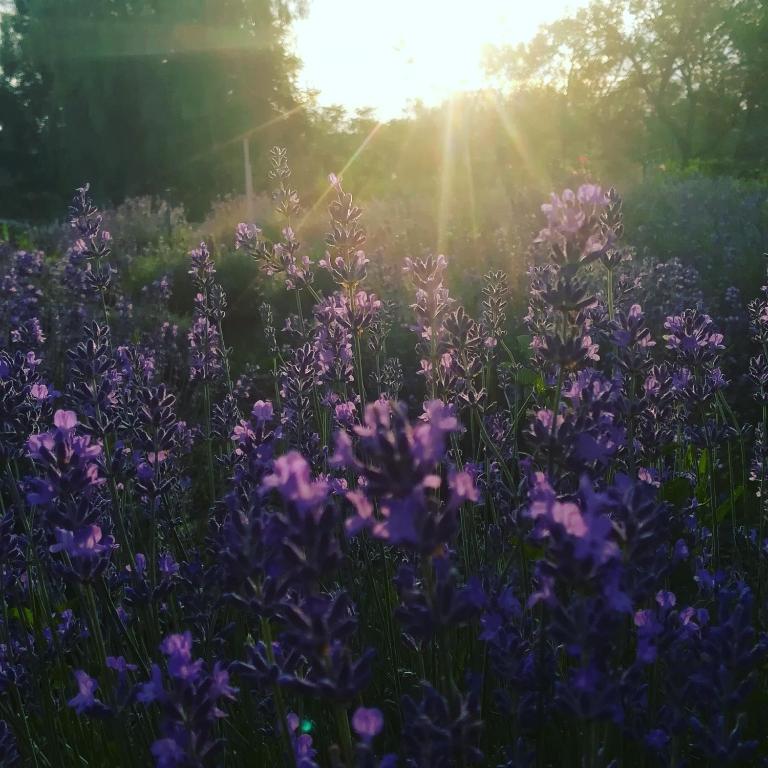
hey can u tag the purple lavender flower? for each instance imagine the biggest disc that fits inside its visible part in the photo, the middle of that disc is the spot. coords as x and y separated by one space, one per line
590 535
299 378
24 399
95 379
120 665
291 479
201 265
90 252
303 752
345 258
84 542
205 350
9 755
431 308
282 256
22 307
208 356
87 552
430 607
367 723
178 650
319 628
168 753
333 340
397 463
573 228
692 338
69 467
436 733
189 706
85 701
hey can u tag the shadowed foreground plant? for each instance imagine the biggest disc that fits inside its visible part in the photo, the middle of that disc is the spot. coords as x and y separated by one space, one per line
530 549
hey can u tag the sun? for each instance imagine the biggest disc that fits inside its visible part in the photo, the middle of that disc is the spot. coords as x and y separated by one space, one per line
365 53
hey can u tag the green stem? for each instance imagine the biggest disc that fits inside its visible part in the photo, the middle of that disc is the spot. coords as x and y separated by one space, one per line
609 293
713 504
631 430
761 503
299 309
224 356
280 710
113 492
358 355
123 630
555 408
497 453
345 735
96 624
277 385
208 443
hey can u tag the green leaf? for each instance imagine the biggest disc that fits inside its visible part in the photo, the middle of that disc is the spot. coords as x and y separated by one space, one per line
15 613
702 486
722 511
690 458
676 491
532 551
527 378
523 341
704 462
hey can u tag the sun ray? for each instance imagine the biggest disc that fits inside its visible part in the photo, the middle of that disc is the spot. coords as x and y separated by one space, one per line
327 191
324 195
446 174
247 134
526 155
469 171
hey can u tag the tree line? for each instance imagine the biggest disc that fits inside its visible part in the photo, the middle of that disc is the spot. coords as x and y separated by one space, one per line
156 96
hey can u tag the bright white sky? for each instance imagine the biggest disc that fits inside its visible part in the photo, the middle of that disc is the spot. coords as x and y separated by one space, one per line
385 53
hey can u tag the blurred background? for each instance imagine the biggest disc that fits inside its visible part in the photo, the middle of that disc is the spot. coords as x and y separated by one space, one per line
450 122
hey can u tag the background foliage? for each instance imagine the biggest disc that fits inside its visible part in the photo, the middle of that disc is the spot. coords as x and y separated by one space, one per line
617 92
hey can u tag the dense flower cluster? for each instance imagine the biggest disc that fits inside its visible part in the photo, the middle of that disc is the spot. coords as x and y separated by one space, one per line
541 548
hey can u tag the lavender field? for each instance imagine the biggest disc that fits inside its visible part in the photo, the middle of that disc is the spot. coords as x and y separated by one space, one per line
407 534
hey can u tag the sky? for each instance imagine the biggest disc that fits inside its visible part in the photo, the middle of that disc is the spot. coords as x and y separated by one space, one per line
386 53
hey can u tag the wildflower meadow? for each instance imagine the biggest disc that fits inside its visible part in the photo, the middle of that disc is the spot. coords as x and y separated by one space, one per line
413 535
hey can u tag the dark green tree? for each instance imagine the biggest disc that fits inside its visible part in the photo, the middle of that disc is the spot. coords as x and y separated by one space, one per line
672 67
140 97
749 28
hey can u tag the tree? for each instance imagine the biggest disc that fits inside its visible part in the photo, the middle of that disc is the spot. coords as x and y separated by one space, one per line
749 28
671 63
145 96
